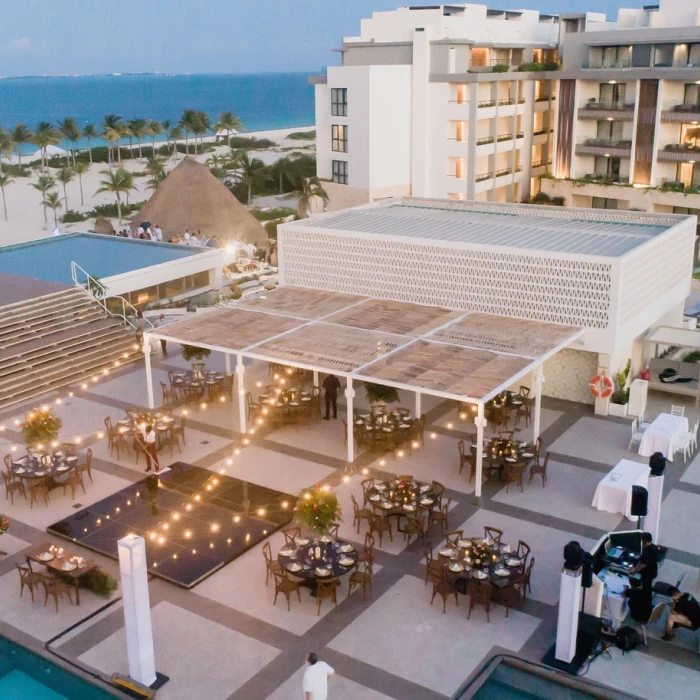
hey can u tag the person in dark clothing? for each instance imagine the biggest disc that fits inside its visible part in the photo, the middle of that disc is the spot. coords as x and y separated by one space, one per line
639 601
685 612
648 567
331 384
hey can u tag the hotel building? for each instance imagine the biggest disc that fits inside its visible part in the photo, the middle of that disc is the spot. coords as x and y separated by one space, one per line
445 101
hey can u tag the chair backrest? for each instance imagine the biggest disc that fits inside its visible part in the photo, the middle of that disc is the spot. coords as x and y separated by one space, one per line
355 504
8 463
279 576
453 536
523 551
493 533
267 552
428 552
69 448
88 458
6 478
367 484
108 423
524 391
677 410
460 448
656 613
528 572
634 426
695 429
24 571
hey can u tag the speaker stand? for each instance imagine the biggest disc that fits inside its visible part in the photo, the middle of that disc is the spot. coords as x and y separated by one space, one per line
587 641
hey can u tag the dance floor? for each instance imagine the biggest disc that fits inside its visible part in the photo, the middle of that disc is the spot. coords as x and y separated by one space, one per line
193 520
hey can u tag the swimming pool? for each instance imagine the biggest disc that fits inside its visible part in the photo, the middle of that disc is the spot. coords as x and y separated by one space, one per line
26 676
101 256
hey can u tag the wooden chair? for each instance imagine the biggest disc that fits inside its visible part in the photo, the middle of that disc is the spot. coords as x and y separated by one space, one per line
252 407
171 440
333 530
380 525
523 552
362 576
12 485
454 536
38 489
367 486
540 469
479 594
493 533
524 392
8 466
178 431
55 587
285 585
463 456
415 526
360 514
289 534
75 479
539 444
87 467
193 394
524 411
444 587
326 590
367 553
523 581
508 595
29 579
439 489
271 564
513 474
441 517
69 449
432 565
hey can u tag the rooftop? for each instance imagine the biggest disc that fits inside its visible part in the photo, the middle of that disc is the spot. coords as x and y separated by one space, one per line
553 229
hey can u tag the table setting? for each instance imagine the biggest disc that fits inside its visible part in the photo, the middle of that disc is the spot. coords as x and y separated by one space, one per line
662 435
38 465
614 491
480 559
402 497
196 379
318 558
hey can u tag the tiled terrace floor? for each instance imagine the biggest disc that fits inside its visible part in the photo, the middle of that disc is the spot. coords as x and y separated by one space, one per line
225 640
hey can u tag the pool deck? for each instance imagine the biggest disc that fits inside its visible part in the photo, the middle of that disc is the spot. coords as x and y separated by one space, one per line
224 640
14 288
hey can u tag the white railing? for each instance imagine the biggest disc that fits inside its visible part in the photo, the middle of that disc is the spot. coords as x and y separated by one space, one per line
101 295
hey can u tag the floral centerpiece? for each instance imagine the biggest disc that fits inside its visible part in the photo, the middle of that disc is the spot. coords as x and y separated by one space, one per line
317 509
405 492
482 554
40 426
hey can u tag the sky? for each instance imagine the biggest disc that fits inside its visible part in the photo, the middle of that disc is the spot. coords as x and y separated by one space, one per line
64 37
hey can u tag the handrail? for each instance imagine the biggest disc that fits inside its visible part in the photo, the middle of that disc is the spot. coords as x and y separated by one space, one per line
100 294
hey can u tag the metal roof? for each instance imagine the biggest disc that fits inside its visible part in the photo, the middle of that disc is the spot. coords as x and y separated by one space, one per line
508 226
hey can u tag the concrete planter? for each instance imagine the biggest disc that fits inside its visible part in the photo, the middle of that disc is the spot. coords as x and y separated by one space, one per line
617 409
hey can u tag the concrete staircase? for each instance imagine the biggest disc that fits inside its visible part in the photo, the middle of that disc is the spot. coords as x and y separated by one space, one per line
56 340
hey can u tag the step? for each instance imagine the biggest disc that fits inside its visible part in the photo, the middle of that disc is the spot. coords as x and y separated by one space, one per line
46 331
52 306
42 299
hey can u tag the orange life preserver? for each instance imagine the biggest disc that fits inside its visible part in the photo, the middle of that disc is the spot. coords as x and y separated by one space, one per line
601 386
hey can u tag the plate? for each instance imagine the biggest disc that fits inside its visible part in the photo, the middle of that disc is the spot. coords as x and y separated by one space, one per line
380 487
424 488
68 566
388 430
464 544
375 498
514 562
346 561
426 501
502 572
404 425
387 506
46 556
287 552
322 572
325 538
479 574
21 470
58 454
456 567
527 454
301 541
409 508
345 548
446 551
61 469
71 459
39 473
294 566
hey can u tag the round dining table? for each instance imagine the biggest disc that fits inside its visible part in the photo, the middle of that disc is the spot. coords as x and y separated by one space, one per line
192 380
474 557
402 498
313 559
34 466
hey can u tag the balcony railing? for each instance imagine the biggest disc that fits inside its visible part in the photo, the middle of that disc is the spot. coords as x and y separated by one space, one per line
545 98
504 137
540 132
484 140
504 103
681 113
486 103
612 143
483 177
618 63
501 173
679 153
611 106
604 179
604 147
518 168
540 163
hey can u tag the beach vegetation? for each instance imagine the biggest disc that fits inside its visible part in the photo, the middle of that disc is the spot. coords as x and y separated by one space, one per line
270 214
70 131
309 189
64 176
228 122
44 136
73 217
251 143
302 135
154 129
16 170
20 135
52 200
118 182
271 229
138 130
43 184
110 132
80 168
5 180
187 124
90 133
110 211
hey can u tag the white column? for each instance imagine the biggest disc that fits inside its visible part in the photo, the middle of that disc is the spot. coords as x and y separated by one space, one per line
418 410
480 423
240 379
137 609
349 396
149 374
539 380
227 359
315 377
567 622
653 516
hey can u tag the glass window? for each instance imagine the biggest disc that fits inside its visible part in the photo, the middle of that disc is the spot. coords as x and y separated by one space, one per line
694 56
663 55
339 138
339 102
340 172
691 95
603 203
641 55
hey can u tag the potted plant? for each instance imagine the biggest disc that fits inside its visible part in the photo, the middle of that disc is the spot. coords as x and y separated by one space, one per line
317 510
620 397
379 393
40 426
191 352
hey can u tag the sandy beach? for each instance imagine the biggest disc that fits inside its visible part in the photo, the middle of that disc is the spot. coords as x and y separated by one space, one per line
25 213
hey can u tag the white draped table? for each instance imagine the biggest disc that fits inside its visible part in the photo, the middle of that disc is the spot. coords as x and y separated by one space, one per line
614 492
663 435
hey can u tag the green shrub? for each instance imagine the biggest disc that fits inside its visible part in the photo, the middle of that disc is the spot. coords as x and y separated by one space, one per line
271 229
500 69
526 67
302 135
672 186
15 170
99 582
73 217
236 292
692 356
379 393
251 142
40 426
191 352
110 210
277 213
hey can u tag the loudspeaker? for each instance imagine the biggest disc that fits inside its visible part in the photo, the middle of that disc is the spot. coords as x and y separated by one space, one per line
573 555
657 464
587 572
640 499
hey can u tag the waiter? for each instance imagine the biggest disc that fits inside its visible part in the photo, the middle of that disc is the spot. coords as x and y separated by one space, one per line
331 384
648 567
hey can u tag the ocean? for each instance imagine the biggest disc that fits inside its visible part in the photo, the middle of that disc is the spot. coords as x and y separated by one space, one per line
262 101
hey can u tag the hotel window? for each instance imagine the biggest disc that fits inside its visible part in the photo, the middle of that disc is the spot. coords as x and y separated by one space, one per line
339 102
339 138
691 95
340 172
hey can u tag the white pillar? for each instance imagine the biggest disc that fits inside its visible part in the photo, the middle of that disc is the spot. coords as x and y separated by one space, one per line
240 378
349 396
480 423
418 410
539 380
653 516
137 609
227 358
149 374
567 622
315 377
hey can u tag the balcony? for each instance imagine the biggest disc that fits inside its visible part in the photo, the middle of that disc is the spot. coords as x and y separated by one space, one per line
601 179
604 147
618 63
486 103
679 153
681 114
545 98
607 110
540 166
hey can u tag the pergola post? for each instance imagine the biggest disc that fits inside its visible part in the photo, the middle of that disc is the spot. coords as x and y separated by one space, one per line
149 373
316 378
349 396
419 409
480 423
227 359
539 380
240 379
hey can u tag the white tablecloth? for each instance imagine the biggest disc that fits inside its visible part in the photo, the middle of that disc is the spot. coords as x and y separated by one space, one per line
614 492
662 435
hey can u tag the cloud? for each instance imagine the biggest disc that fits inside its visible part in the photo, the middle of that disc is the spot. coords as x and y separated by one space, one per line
17 45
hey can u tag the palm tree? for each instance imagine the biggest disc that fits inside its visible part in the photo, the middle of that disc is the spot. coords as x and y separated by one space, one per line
44 136
167 125
111 135
118 182
5 180
138 129
202 125
310 188
247 167
52 200
188 122
64 176
80 169
111 122
70 131
43 184
175 136
154 129
6 144
229 122
90 132
20 135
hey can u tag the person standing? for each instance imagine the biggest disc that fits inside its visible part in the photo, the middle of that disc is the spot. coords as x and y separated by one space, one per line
149 439
315 683
140 325
331 384
648 567
159 233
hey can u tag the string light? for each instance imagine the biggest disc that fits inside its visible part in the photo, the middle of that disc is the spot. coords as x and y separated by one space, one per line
365 471
433 436
449 426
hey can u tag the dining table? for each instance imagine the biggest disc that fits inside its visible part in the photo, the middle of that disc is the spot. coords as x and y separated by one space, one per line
614 491
196 379
501 451
136 421
480 559
60 561
317 558
402 498
663 435
44 465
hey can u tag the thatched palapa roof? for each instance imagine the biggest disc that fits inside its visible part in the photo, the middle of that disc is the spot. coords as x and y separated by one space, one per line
102 225
191 198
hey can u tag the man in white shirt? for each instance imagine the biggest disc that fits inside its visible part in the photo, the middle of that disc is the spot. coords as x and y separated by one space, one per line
187 237
159 233
149 439
128 231
315 684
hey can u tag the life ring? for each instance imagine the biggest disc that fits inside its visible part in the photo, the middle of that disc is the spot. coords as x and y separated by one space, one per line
601 386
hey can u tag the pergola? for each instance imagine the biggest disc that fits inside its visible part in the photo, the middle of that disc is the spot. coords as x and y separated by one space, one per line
459 355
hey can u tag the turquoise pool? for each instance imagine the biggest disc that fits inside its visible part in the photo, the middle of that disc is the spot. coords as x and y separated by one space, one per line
101 256
26 676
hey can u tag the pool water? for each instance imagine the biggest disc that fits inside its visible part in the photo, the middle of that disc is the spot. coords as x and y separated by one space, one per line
100 256
27 676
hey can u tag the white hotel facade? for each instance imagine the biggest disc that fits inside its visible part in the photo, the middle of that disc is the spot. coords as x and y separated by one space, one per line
435 102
